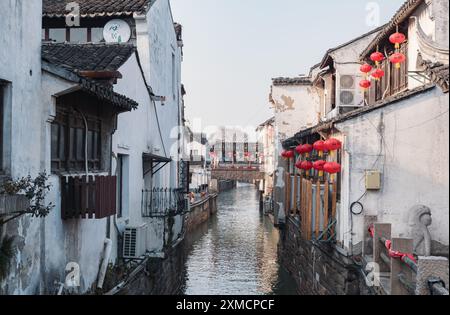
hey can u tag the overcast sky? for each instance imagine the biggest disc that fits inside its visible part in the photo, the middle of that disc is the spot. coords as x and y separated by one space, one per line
234 47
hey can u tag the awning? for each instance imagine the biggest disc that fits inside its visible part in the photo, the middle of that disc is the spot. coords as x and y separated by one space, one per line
154 163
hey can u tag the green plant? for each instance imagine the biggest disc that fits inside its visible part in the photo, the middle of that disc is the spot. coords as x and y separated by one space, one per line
35 189
6 253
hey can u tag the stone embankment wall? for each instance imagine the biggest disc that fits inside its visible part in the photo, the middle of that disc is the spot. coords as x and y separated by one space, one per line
318 269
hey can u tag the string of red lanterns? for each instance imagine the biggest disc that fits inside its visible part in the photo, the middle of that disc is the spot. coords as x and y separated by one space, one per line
397 58
331 145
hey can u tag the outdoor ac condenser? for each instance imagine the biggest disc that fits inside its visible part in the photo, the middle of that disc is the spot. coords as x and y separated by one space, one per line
347 95
134 242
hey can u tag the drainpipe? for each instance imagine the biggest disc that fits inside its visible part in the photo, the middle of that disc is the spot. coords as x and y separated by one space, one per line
105 262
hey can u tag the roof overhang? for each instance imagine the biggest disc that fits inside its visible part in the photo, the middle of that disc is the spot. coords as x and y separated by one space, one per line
103 93
156 162
99 10
400 16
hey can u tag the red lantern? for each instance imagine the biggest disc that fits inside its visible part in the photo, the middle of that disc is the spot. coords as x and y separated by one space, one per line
306 165
377 57
318 165
397 39
366 68
298 165
307 148
290 154
397 59
333 144
319 146
378 74
299 149
332 167
365 84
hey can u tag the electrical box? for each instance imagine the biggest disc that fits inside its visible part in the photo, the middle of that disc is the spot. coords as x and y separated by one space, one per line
373 180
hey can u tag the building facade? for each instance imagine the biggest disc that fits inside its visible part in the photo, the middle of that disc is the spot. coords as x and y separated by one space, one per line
387 170
100 97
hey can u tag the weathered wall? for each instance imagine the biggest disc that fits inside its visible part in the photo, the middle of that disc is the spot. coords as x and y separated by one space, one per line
162 276
22 147
409 143
296 108
316 269
200 212
428 31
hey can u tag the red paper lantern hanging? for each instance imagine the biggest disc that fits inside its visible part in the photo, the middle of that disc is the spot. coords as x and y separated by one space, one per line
365 84
307 148
332 168
333 144
397 59
319 146
377 57
289 154
397 39
306 165
299 149
319 165
366 68
378 74
299 165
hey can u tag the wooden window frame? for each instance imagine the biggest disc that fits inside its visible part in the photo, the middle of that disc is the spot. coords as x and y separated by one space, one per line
68 157
395 80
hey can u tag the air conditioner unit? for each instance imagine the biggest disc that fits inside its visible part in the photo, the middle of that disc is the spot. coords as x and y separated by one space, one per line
134 242
349 93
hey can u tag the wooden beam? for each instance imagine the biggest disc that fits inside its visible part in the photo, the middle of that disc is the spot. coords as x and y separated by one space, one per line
317 210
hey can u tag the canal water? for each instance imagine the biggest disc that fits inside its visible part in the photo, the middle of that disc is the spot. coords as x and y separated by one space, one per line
235 253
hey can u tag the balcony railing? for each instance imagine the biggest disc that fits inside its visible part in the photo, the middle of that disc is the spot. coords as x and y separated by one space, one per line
162 202
93 197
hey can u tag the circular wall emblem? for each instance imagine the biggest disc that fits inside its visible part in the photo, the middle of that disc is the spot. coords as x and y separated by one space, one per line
117 31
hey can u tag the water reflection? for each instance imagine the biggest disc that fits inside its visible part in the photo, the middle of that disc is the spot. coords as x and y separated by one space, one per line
236 252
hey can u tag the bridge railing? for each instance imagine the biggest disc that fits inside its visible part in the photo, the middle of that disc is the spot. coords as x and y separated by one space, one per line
238 166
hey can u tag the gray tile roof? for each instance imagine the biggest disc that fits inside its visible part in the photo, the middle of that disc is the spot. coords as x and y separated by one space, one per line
401 15
291 81
437 72
87 57
94 8
68 60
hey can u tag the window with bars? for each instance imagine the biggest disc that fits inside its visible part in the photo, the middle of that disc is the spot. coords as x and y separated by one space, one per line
69 139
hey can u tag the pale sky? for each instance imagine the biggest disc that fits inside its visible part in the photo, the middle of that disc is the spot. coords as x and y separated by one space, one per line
233 48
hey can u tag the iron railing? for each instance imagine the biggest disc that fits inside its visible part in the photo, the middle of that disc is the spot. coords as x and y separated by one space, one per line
162 202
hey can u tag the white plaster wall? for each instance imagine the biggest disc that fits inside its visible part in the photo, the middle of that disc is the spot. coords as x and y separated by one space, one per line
20 52
133 134
156 41
433 21
20 41
66 241
414 163
297 107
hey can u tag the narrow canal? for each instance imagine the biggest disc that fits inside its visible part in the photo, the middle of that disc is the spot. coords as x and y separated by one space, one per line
235 253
